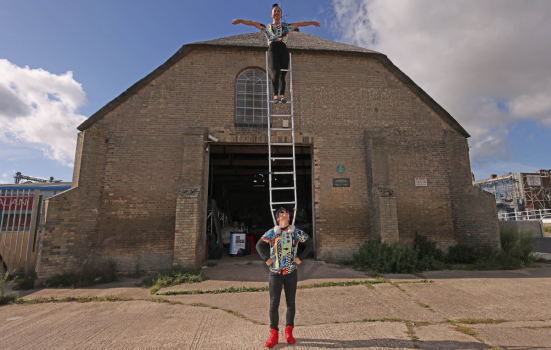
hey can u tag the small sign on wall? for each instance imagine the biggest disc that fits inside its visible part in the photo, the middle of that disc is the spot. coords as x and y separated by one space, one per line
420 181
341 182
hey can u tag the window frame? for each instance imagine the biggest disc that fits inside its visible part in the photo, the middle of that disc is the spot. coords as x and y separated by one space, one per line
250 99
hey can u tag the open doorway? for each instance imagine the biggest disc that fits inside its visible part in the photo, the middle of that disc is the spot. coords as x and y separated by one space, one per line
239 195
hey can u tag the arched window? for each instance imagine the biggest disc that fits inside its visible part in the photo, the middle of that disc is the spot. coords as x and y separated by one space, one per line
251 107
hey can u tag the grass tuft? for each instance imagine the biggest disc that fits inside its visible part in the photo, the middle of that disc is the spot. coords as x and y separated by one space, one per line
480 320
6 298
171 277
72 299
465 330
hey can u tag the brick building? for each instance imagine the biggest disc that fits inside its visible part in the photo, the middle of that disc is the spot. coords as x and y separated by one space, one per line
144 167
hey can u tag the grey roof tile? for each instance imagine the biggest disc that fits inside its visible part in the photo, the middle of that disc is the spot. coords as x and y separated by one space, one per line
296 41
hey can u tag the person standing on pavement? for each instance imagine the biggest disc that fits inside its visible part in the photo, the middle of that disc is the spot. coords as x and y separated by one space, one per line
278 247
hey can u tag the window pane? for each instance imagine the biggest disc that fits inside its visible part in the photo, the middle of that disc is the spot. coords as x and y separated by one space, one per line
250 105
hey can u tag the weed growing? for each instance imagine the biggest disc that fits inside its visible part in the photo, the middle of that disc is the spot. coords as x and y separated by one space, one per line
26 282
91 272
266 288
6 298
171 277
423 254
480 320
72 299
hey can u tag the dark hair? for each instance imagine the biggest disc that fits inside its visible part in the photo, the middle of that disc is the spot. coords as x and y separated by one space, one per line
280 210
275 5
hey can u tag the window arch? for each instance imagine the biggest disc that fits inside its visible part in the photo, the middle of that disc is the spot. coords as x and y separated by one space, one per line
251 105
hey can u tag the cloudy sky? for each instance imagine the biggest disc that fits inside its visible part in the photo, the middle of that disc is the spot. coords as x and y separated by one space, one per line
486 62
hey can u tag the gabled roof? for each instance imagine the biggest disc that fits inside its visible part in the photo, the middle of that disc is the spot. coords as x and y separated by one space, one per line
297 41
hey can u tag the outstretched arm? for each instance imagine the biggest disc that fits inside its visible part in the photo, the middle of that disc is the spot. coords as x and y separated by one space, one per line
247 22
305 24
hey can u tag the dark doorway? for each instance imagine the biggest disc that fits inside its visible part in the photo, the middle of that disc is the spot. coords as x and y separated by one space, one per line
239 187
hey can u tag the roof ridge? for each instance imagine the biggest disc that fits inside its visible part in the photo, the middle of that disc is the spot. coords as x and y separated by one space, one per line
297 41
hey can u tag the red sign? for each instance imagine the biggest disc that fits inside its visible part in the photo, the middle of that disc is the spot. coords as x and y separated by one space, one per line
529 207
16 203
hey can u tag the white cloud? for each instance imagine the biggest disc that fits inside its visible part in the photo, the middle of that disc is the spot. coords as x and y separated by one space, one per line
486 62
39 109
4 175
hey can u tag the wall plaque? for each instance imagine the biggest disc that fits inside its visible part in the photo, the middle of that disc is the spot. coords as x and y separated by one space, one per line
420 181
341 182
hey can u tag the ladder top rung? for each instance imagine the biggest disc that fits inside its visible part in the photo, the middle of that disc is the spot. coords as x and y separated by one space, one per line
283 188
277 203
290 129
282 158
285 70
283 172
282 144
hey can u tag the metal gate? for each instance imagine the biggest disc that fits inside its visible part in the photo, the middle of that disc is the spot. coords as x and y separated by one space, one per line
18 230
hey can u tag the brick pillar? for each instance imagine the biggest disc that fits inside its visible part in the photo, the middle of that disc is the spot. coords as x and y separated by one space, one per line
383 213
191 205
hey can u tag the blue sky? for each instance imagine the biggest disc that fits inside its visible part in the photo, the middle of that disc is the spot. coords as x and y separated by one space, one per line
109 45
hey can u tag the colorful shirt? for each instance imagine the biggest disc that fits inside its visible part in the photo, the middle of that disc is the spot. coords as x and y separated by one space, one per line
279 31
283 249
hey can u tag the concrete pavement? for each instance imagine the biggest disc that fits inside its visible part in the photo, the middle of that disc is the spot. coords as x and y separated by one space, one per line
418 315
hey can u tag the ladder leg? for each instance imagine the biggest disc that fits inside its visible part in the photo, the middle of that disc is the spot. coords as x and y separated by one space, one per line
292 144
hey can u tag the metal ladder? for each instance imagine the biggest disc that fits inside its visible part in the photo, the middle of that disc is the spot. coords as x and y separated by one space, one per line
291 144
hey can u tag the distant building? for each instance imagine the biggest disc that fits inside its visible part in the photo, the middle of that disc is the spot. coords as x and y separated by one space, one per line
47 189
519 191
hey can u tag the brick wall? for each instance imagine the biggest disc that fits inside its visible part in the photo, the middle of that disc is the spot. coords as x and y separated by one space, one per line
129 179
68 234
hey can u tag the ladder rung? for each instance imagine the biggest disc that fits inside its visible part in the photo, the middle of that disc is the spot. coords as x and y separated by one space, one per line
291 129
277 203
282 144
282 158
280 115
283 173
283 188
285 70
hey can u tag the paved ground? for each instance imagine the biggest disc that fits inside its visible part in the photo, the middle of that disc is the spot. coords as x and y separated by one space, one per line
542 244
418 315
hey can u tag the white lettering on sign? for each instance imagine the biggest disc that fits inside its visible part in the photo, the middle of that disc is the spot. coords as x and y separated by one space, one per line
420 181
15 203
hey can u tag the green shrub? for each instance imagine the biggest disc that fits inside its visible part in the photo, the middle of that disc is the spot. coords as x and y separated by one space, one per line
6 298
91 272
423 254
172 277
26 282
429 256
386 258
517 244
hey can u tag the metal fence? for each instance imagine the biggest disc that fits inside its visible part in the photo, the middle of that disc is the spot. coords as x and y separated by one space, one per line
525 215
18 230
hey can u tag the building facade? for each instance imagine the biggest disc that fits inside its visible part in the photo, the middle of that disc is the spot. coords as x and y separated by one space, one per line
142 168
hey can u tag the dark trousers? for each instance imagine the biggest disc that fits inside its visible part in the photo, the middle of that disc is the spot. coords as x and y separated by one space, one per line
289 283
278 59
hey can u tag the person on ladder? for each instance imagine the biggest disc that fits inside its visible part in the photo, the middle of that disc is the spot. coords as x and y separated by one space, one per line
278 247
278 56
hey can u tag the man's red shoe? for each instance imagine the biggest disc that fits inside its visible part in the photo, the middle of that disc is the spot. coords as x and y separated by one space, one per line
274 337
289 335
